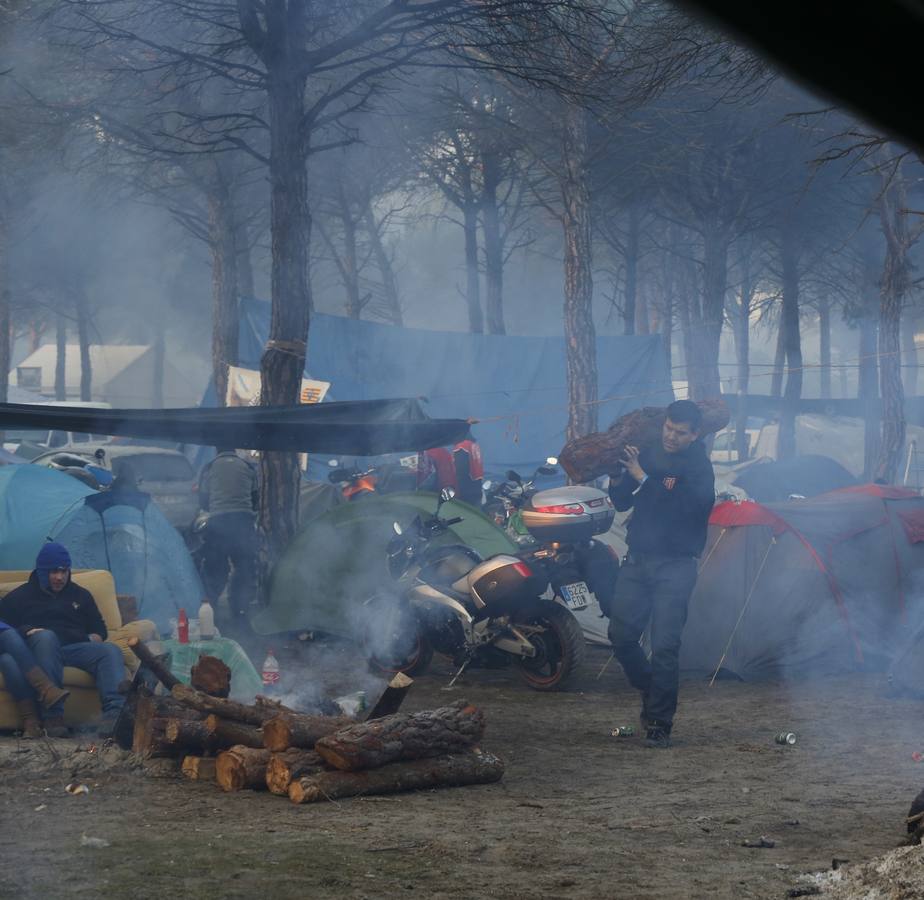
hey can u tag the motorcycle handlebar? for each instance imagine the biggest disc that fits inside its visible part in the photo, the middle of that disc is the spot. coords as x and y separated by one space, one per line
453 521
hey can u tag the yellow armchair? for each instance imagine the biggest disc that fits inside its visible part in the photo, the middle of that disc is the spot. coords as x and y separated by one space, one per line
83 704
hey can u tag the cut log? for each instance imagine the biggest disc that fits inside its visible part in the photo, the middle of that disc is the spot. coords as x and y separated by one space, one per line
296 730
392 697
187 735
227 733
152 663
211 676
284 768
454 770
256 714
435 732
199 768
593 455
242 768
152 714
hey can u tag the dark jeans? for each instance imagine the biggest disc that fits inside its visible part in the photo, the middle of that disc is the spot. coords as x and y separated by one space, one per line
653 589
231 541
15 660
103 661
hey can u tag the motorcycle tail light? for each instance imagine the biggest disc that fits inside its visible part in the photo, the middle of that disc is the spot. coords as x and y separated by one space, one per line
567 509
522 569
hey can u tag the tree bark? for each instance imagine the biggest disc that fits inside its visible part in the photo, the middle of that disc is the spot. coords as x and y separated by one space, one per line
493 243
211 676
153 664
824 348
350 260
257 714
706 383
392 697
909 355
5 301
868 395
290 765
244 261
227 733
630 305
224 251
455 770
60 357
242 768
580 331
789 323
199 768
743 359
779 361
386 269
83 339
369 745
472 275
298 730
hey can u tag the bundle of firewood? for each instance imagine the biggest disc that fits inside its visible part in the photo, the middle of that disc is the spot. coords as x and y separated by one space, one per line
268 746
593 455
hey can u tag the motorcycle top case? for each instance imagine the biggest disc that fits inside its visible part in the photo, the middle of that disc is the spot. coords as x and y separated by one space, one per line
568 514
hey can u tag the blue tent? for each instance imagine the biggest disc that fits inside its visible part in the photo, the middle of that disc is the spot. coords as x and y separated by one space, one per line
515 385
144 552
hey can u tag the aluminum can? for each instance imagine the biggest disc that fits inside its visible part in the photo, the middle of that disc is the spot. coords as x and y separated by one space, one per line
623 731
786 738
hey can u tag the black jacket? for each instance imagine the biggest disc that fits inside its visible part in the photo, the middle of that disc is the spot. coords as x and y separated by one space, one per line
71 614
673 504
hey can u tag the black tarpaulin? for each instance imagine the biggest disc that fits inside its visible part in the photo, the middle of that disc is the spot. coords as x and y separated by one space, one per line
354 428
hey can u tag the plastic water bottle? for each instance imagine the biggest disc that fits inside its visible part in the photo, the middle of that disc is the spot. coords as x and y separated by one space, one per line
182 627
206 621
270 672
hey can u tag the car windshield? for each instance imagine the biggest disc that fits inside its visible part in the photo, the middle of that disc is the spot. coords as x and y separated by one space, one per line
155 467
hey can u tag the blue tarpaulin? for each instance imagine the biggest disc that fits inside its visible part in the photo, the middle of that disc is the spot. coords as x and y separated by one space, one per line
515 386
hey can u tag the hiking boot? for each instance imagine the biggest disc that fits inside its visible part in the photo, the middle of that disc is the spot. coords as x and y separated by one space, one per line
48 692
55 728
658 736
31 724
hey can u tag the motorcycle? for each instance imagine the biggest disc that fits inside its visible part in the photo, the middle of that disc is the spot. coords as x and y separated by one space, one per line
354 483
448 599
556 530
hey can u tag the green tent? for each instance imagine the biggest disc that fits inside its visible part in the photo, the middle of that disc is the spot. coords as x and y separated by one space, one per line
337 561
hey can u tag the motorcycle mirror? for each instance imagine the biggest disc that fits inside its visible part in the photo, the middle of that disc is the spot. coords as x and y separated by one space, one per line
513 476
552 461
397 528
446 494
486 485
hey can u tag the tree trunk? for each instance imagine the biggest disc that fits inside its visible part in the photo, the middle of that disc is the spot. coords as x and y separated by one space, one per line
244 261
258 713
456 770
706 382
630 304
284 768
824 340
779 361
743 359
283 360
298 730
242 768
224 252
894 287
5 302
60 357
435 732
909 354
386 269
580 332
493 244
83 339
868 395
350 261
789 323
472 276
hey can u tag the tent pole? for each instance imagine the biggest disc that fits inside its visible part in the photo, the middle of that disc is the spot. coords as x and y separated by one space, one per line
718 540
731 637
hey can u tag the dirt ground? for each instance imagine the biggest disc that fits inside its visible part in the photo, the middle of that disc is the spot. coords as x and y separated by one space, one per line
579 813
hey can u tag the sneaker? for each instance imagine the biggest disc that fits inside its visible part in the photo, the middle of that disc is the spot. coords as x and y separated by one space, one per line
658 736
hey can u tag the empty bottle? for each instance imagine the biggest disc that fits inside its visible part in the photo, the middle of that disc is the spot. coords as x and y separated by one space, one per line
182 627
206 621
270 672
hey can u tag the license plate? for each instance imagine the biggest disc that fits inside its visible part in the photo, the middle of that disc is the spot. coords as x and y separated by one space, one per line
575 595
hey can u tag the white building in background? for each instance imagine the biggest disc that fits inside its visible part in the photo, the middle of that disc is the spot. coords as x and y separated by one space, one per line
122 376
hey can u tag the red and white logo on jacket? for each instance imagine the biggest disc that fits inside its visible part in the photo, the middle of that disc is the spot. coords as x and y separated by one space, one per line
669 482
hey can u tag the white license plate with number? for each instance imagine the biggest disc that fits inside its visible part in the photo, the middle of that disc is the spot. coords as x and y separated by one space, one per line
576 596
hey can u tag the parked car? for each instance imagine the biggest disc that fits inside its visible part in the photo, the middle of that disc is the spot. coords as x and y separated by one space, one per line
30 442
164 474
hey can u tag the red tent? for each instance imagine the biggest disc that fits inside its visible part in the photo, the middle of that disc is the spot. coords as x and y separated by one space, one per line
818 585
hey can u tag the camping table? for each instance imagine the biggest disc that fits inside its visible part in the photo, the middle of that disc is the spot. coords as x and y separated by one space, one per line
245 680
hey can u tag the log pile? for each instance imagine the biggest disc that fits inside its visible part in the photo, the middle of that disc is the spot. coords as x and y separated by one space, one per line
311 758
589 457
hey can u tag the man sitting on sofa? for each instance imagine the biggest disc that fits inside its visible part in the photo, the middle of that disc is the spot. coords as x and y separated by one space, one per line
63 627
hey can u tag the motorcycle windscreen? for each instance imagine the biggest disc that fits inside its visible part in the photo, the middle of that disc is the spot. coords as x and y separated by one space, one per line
338 560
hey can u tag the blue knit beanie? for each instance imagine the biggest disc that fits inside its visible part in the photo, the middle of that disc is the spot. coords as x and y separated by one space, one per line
52 556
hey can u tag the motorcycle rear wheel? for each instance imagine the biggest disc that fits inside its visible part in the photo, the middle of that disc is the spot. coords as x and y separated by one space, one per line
394 641
559 647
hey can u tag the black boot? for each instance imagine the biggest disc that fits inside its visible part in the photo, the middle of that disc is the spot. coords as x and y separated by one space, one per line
658 735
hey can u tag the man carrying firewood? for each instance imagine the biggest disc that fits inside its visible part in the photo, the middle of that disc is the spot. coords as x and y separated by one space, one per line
671 489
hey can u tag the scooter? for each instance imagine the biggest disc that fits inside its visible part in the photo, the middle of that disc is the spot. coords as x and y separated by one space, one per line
446 598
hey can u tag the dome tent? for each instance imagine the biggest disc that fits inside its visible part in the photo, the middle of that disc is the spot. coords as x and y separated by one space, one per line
811 586
124 533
